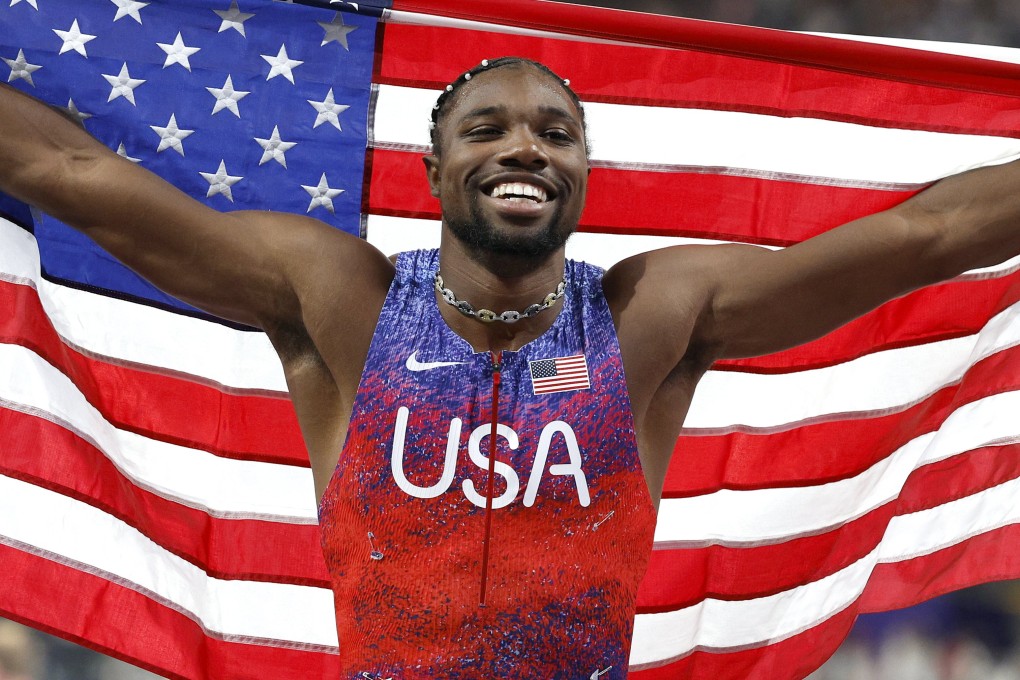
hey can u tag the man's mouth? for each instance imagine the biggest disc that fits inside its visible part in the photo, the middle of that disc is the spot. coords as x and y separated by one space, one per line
519 192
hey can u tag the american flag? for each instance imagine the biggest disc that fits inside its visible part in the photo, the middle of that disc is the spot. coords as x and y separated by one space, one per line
155 499
562 374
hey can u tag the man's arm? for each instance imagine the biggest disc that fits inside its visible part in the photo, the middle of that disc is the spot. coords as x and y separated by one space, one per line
739 301
247 266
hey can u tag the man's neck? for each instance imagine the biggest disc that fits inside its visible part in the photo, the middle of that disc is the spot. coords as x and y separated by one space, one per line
498 283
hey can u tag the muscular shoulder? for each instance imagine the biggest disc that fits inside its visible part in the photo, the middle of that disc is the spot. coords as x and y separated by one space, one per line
661 298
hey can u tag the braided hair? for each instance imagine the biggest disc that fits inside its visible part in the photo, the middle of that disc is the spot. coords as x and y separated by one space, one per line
453 88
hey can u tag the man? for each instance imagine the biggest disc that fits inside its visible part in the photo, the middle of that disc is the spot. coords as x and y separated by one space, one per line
517 560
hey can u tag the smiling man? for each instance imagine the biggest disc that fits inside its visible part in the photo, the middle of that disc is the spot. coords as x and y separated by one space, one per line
489 424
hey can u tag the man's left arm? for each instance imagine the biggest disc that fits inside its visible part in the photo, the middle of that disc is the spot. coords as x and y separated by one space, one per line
758 301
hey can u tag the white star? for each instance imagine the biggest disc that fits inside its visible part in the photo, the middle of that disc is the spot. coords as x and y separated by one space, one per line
281 64
220 182
171 136
233 18
74 39
72 108
322 195
31 2
274 148
178 52
336 30
129 8
122 152
20 68
329 111
227 97
123 85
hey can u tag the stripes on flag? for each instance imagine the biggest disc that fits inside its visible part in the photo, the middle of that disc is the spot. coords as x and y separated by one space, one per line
562 374
153 481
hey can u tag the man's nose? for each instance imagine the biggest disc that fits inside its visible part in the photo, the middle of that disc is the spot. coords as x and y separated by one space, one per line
523 148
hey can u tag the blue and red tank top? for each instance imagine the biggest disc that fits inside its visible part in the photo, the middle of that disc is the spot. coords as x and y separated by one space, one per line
427 583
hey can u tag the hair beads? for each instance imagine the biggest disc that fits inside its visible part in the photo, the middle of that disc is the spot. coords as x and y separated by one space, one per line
487 65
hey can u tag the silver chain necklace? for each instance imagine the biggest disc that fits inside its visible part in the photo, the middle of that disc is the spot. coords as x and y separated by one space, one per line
487 315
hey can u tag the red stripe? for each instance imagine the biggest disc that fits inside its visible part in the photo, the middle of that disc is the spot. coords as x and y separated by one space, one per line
701 205
991 556
431 57
794 657
126 624
192 411
814 453
45 454
165 407
948 310
679 578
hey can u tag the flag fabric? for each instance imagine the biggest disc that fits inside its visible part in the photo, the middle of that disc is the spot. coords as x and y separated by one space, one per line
562 374
155 499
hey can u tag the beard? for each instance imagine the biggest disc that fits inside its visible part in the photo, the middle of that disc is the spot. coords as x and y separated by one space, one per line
482 237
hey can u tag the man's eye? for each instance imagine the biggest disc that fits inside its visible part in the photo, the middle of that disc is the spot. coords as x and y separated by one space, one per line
483 131
558 135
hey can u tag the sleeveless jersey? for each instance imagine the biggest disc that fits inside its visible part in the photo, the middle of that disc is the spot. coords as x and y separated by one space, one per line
404 526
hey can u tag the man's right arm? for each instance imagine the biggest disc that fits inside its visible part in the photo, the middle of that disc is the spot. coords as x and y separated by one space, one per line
251 267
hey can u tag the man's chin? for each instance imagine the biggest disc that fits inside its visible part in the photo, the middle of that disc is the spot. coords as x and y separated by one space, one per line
508 240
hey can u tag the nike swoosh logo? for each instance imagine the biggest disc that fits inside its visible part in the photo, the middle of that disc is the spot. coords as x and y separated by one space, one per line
413 364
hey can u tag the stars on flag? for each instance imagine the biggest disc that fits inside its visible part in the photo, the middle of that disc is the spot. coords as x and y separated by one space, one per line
281 64
212 65
171 136
220 182
322 195
74 39
177 52
21 69
328 111
274 148
122 152
72 109
233 18
336 30
123 85
129 8
227 97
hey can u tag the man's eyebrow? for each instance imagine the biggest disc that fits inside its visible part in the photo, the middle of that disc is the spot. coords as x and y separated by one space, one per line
545 109
558 112
484 111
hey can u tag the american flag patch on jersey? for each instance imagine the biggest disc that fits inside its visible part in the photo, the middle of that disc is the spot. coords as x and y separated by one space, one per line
561 374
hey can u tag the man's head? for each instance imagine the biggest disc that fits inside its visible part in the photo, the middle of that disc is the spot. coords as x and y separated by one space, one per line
509 161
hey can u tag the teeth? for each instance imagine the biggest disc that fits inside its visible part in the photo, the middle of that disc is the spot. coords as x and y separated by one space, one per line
519 190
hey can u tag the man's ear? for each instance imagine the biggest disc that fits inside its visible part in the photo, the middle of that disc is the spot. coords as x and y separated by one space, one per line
432 172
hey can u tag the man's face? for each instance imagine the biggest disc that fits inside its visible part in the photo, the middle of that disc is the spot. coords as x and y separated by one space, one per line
512 168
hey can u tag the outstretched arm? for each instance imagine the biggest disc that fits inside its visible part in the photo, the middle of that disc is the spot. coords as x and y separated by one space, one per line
245 266
738 301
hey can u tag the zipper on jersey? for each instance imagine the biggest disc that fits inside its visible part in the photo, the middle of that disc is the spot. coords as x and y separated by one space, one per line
497 358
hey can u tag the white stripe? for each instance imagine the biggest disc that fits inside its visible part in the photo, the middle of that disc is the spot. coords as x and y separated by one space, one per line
906 375
396 234
57 524
928 531
805 147
723 399
421 19
283 492
1009 55
221 486
721 625
145 335
993 52
770 515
